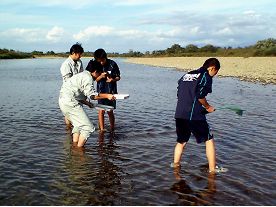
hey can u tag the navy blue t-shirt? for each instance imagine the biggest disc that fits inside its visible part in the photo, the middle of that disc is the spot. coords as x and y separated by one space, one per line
112 70
191 87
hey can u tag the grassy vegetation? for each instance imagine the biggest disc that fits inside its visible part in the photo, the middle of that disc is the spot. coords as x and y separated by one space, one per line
262 48
11 54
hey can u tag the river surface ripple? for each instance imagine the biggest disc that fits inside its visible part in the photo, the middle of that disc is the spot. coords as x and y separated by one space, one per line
132 167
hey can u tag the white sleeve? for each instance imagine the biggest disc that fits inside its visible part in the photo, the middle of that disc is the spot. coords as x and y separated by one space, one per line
88 88
66 71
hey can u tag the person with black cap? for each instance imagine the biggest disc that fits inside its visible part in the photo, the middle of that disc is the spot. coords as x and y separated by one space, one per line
75 92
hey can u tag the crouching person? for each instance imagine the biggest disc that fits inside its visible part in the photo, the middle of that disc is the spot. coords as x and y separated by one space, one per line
73 95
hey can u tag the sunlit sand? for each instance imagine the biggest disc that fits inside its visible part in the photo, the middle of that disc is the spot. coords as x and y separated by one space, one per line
256 69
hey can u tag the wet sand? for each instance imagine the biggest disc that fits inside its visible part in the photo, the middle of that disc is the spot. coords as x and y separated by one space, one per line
255 69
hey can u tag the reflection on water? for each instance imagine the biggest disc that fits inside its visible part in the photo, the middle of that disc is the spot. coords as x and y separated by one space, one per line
40 166
92 178
188 196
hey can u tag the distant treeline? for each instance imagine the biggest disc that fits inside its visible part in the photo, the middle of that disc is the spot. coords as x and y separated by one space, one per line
265 47
11 54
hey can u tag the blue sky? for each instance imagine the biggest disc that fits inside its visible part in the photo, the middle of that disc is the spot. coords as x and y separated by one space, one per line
139 25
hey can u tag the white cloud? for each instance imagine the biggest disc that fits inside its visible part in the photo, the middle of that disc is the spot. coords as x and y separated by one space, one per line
93 31
53 3
128 34
33 35
67 3
251 13
195 30
55 34
137 24
225 31
137 2
133 34
23 35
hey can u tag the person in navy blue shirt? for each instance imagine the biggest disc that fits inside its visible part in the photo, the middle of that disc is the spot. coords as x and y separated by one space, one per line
107 83
191 108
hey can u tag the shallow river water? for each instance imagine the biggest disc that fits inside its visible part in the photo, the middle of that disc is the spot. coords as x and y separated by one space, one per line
132 166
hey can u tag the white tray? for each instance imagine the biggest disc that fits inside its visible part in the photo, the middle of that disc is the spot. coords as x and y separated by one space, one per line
121 96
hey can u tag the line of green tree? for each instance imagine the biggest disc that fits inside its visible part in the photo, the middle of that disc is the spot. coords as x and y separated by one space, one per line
265 47
11 54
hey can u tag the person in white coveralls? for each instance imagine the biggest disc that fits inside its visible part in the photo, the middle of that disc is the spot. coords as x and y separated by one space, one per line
71 66
75 92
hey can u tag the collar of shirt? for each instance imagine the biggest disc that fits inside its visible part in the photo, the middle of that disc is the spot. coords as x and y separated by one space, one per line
74 63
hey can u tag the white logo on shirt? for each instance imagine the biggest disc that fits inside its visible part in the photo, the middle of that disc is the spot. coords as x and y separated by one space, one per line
190 77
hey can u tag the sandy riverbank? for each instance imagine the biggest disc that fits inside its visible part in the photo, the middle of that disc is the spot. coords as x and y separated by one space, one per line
256 69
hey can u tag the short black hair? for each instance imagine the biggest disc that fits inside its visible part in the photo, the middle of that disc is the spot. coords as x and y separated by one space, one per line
93 66
100 53
76 48
212 62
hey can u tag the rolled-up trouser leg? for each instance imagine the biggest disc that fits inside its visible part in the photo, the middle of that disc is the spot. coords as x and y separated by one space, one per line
80 121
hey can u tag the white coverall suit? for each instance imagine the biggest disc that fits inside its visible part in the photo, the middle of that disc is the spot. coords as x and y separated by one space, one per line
78 87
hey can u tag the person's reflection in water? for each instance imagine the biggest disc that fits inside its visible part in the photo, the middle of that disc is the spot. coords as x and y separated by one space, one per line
108 181
88 175
101 139
73 182
78 153
188 196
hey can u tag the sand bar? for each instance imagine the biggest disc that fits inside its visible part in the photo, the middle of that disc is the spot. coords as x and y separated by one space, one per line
256 69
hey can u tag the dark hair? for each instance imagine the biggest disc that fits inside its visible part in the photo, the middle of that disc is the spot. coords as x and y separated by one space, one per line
76 48
93 66
100 53
212 62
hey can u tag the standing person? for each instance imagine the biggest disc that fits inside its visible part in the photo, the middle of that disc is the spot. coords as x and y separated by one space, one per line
193 88
73 95
107 83
71 66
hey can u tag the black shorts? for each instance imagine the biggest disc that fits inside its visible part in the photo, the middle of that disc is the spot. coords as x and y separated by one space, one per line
199 128
107 102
